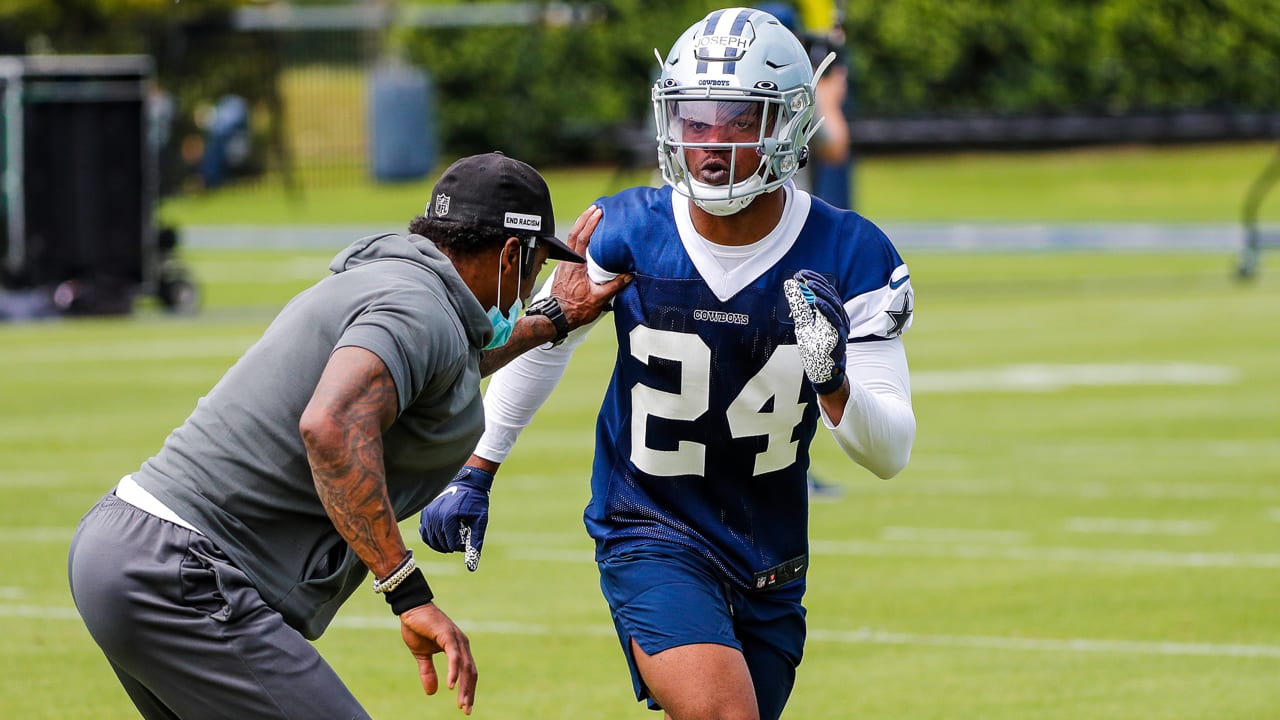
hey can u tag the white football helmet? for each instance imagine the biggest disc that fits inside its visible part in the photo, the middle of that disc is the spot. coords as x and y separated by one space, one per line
737 78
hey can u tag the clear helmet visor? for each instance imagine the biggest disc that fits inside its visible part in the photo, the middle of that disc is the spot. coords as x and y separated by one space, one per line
720 125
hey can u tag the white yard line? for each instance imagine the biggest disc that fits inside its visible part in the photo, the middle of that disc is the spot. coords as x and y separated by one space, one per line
552 555
861 636
1072 645
1138 526
1052 378
39 612
1093 556
973 551
36 534
1086 490
953 535
119 350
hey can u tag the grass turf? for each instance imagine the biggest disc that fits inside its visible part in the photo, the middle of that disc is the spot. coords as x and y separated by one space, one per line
1088 527
1193 183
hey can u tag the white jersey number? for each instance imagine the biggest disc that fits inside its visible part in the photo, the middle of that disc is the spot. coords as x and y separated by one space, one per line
780 380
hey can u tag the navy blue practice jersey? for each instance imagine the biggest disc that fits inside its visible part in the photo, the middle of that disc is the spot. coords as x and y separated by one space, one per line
703 435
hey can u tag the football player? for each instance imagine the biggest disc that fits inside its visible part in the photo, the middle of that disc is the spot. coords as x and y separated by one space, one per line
756 312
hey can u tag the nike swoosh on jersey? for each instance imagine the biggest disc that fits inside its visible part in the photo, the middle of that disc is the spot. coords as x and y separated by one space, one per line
895 284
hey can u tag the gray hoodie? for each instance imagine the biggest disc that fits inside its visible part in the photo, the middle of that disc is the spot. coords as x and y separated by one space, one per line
237 469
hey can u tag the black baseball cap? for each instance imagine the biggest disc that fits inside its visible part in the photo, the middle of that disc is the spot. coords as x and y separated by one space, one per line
496 191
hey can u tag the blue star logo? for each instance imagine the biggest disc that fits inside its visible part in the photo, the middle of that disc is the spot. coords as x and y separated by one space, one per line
900 317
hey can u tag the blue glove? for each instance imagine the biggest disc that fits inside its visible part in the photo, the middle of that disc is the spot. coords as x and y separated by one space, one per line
822 328
456 520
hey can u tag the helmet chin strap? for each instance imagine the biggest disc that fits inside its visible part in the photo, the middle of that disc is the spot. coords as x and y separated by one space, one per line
723 206
724 200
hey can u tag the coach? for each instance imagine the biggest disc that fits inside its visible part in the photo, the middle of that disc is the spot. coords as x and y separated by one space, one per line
203 574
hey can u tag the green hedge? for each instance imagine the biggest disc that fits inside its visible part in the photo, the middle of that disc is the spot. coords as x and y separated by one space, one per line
551 93
946 57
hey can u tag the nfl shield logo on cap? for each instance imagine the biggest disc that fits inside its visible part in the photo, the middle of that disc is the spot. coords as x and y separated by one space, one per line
442 205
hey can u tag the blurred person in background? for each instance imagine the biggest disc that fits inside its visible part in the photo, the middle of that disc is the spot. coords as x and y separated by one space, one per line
756 312
829 171
204 574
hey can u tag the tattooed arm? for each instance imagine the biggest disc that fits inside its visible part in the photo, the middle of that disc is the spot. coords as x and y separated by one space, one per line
354 402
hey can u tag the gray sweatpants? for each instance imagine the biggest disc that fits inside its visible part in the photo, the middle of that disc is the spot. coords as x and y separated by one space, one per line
185 631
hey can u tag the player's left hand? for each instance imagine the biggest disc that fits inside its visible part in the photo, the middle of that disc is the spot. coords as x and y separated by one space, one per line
822 328
456 520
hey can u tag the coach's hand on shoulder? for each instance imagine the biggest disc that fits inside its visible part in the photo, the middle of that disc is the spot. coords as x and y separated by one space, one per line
456 519
426 630
581 299
822 328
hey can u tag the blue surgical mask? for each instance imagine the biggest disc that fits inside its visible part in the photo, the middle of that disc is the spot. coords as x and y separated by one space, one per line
503 325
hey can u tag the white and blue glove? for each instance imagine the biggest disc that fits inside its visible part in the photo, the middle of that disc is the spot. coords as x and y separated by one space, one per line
822 328
456 520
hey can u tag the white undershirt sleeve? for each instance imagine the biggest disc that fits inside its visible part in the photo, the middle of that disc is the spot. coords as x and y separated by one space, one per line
519 388
879 426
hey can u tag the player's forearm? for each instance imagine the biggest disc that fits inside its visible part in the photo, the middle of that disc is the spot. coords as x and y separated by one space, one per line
877 425
876 430
517 391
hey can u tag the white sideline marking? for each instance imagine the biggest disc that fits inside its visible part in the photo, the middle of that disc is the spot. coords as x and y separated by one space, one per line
1138 526
120 350
1148 558
945 549
563 556
1052 378
1139 647
952 535
861 636
1087 490
36 534
39 612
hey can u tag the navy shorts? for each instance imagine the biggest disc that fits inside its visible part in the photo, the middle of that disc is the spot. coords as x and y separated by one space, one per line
664 596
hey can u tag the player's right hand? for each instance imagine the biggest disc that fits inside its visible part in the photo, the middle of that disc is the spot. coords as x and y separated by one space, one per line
456 520
426 630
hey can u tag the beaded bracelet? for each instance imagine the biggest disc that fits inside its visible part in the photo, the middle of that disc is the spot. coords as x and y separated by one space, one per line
397 575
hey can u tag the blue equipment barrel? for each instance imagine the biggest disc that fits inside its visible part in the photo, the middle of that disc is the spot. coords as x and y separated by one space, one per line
402 145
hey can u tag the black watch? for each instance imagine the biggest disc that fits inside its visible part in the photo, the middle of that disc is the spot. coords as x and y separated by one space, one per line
549 307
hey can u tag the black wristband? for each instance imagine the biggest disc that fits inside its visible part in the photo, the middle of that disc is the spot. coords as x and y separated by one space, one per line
410 593
549 307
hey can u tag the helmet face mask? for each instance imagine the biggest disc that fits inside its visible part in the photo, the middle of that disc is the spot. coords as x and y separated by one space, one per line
736 87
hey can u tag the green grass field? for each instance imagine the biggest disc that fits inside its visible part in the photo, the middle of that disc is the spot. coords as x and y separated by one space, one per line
1089 527
1193 183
